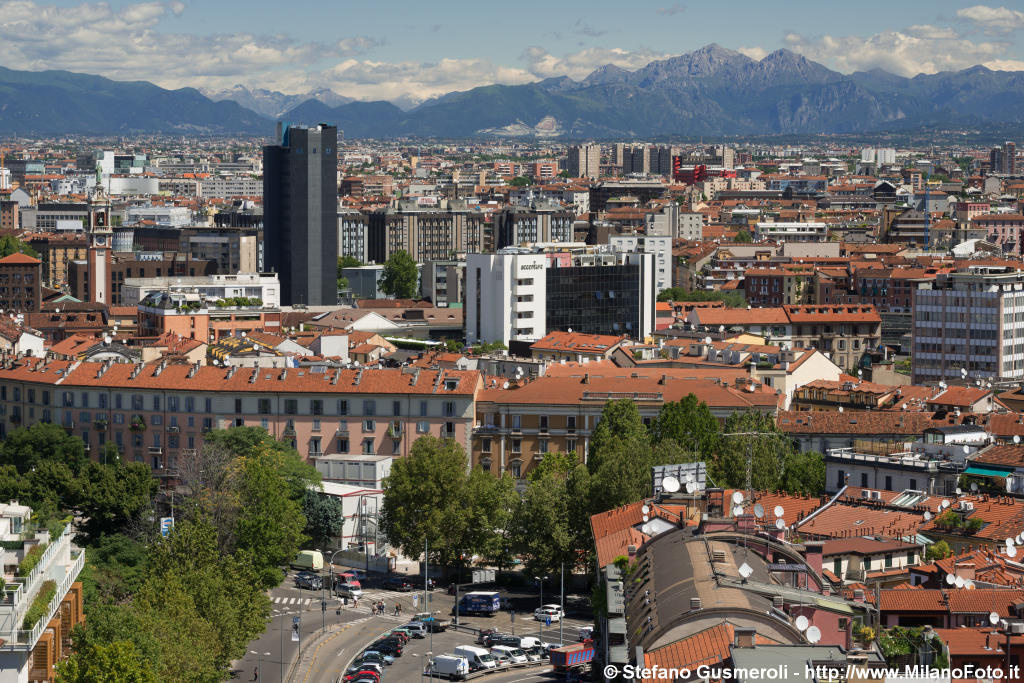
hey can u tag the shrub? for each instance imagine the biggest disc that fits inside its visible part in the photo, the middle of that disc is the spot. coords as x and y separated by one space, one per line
39 604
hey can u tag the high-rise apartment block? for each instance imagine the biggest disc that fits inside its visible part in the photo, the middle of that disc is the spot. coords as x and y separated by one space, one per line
1004 159
584 161
300 213
971 320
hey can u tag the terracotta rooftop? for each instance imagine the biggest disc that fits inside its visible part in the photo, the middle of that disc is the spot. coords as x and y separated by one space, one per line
863 546
576 342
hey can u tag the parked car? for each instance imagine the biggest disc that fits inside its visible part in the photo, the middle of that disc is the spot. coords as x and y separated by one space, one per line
376 656
308 580
362 667
484 632
546 612
398 583
389 646
416 628
401 634
348 590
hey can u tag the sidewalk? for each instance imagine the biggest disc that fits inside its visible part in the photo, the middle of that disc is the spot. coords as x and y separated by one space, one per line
302 665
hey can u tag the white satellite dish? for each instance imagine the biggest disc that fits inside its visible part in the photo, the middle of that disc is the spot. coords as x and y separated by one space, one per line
646 509
646 517
950 579
106 339
802 622
840 409
967 449
745 570
707 340
959 583
944 504
779 511
690 487
813 634
780 524
737 497
927 515
958 491
942 385
670 484
737 511
1011 551
963 371
1016 438
646 529
993 618
759 511
968 584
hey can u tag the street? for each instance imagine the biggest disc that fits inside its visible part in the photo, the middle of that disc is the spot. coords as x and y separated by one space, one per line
354 629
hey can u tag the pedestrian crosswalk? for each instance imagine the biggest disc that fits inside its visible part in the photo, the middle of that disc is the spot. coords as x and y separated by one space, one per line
293 601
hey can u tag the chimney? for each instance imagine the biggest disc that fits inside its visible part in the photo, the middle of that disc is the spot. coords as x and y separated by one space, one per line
858 595
965 570
743 637
631 551
813 554
586 378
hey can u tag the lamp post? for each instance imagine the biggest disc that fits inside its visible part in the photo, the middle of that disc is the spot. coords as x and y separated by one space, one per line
540 622
330 570
323 598
259 661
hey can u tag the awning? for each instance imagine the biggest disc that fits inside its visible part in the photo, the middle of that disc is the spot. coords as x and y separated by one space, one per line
985 471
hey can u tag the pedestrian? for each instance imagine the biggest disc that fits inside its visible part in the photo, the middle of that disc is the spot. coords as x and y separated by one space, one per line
255 673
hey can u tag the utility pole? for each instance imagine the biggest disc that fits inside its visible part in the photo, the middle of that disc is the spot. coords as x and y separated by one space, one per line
561 617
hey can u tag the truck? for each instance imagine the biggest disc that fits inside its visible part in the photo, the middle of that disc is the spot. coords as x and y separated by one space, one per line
487 603
452 666
433 623
575 656
311 560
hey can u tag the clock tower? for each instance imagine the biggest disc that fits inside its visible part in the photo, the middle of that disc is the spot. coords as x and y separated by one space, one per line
100 235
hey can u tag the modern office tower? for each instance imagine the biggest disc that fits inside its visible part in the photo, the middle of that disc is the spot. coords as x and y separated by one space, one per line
300 213
584 161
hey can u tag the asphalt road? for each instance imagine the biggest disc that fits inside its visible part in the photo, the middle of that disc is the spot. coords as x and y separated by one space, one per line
355 628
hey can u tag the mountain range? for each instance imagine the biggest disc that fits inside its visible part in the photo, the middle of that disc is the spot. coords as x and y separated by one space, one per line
708 92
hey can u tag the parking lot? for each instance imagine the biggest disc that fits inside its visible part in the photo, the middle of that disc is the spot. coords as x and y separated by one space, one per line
334 657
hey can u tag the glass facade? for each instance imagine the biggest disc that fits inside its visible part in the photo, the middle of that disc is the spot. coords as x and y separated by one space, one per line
595 299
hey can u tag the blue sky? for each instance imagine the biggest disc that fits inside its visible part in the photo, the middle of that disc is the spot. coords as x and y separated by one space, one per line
414 50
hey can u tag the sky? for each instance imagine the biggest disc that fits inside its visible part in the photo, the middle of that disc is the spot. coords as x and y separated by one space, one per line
398 50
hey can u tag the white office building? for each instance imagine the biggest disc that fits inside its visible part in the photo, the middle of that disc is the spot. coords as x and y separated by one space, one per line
659 246
163 216
521 294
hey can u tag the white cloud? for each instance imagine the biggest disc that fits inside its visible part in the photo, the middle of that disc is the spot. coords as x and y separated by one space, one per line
672 10
757 53
914 50
578 65
993 20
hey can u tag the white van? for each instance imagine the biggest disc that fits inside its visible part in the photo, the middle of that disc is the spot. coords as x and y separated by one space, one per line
532 647
312 560
455 667
514 654
478 657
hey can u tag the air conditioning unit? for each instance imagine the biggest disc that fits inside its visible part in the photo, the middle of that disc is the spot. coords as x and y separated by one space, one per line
877 495
966 505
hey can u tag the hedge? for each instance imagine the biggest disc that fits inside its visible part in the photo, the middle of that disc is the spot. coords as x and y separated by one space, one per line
31 559
39 604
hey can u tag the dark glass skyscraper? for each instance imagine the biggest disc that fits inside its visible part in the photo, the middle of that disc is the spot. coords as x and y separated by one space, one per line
300 213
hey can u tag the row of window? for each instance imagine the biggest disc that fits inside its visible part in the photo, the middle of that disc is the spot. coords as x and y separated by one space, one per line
516 445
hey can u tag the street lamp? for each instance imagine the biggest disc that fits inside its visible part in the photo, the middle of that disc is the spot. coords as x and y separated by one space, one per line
259 661
540 622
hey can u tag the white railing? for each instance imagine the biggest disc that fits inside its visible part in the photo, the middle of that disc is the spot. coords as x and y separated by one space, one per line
32 637
29 585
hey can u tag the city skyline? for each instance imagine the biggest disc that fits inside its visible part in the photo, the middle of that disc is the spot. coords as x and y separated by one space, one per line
421 52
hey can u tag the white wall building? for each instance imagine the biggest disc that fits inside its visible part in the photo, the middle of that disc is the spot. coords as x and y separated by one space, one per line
659 246
163 216
690 226
792 232
263 286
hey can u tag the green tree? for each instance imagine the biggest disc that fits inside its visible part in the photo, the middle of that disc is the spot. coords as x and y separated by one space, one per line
620 421
324 517
743 237
116 662
767 453
620 457
938 551
425 498
114 497
542 530
25 448
731 299
803 472
400 276
520 181
491 503
690 424
12 245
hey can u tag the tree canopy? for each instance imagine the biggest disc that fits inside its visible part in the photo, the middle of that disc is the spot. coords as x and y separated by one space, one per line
400 276
731 299
12 245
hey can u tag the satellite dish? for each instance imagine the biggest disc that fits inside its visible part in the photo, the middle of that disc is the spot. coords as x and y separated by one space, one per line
759 511
959 583
690 487
963 371
942 385
745 570
950 579
993 618
1009 542
967 449
802 622
670 484
779 511
707 340
646 517
106 339
974 486
840 409
944 504
689 476
968 584
813 634
645 509
927 516
958 491
737 497
1011 551
1016 438
780 524
737 511
646 529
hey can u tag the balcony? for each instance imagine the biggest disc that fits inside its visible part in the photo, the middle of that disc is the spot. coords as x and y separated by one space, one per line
341 431
485 429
